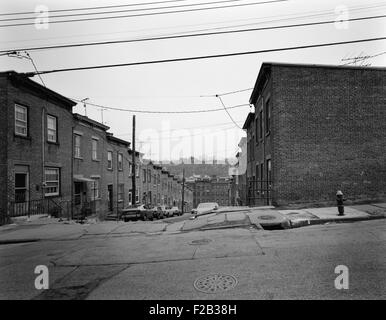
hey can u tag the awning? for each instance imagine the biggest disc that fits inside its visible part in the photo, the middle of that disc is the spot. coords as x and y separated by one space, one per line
80 178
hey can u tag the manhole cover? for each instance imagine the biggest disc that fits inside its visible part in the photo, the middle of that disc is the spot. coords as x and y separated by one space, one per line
200 242
214 283
267 217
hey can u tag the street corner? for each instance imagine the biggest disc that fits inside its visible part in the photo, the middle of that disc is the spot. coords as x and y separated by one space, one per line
269 219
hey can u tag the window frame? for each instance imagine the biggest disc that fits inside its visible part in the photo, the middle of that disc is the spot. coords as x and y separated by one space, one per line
267 115
78 154
52 194
121 192
110 161
17 105
50 116
94 151
120 161
96 183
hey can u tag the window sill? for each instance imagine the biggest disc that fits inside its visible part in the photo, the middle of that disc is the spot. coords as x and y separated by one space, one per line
96 160
21 136
110 169
78 158
53 142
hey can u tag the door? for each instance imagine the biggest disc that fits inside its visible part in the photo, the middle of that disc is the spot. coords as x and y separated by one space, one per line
21 206
110 196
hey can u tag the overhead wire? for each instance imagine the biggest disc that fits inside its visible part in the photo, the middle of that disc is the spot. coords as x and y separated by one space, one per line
233 54
180 36
149 14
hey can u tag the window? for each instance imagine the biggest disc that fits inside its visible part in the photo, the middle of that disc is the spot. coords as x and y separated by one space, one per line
257 130
95 189
77 146
51 128
94 149
130 198
148 175
110 160
144 175
269 171
261 124
52 182
120 161
137 196
121 190
137 170
267 116
21 120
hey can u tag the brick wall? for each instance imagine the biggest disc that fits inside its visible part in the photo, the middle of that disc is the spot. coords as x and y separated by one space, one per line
329 129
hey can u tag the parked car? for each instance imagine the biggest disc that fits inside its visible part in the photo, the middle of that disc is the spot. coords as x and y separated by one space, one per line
176 211
136 212
167 211
206 207
158 212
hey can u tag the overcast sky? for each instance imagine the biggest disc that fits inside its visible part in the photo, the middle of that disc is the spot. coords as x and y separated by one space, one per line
179 86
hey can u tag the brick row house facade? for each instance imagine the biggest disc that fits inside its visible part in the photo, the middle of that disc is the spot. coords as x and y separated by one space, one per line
53 159
316 129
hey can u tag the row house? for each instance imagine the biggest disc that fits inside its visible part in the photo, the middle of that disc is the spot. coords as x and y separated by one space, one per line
35 148
54 161
316 129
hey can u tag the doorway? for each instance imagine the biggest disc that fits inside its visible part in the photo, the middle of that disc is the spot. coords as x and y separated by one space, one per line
110 197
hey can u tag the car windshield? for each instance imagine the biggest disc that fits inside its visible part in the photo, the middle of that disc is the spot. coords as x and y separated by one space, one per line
207 205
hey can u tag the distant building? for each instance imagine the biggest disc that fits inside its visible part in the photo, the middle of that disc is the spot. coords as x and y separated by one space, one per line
209 189
316 129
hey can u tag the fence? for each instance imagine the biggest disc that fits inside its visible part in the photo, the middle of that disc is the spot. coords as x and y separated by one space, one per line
259 192
54 207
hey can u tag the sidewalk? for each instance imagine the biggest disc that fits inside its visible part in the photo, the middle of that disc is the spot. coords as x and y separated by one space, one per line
45 228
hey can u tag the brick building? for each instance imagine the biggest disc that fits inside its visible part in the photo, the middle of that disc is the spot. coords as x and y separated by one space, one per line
35 126
52 159
210 189
316 129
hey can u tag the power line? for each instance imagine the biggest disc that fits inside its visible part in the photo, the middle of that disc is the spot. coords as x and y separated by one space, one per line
94 8
168 37
235 123
186 128
149 14
288 17
328 44
121 11
160 112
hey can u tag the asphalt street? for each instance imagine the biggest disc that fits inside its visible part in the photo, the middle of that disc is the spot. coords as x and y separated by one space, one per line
136 260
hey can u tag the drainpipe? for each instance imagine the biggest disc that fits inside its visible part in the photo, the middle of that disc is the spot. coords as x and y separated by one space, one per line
72 173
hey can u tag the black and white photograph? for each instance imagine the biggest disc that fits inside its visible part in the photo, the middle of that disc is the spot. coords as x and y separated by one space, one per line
192 154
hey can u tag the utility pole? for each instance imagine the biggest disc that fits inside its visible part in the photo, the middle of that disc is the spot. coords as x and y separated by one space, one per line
183 190
133 177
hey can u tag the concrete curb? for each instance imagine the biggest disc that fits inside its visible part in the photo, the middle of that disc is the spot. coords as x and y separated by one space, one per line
305 223
15 241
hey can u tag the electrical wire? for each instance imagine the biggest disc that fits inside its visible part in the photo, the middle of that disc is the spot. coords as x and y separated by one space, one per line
168 37
149 14
289 17
121 11
327 44
94 8
235 123
159 112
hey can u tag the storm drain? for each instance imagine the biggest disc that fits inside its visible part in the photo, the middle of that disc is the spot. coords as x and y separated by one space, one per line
215 283
267 217
200 242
